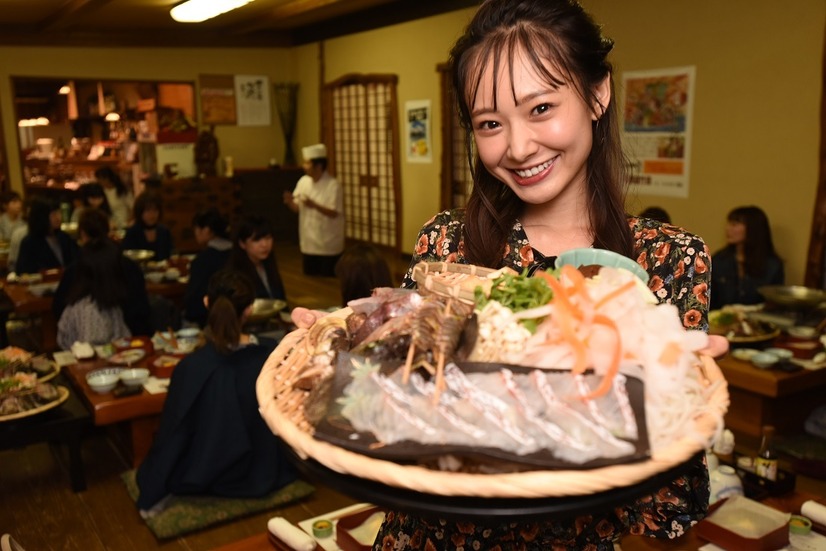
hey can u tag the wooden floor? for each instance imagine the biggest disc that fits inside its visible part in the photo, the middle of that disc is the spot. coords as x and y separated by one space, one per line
38 507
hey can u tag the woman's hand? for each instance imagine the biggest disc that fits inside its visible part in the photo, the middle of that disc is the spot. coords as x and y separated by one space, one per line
303 318
717 346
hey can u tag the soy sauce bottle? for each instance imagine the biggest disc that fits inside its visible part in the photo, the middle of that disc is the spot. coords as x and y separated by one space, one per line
765 464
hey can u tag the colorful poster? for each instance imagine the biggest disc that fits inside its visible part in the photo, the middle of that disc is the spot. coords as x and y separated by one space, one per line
252 97
217 99
656 131
418 131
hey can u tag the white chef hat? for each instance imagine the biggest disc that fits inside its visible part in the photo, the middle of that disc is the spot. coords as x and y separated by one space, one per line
317 151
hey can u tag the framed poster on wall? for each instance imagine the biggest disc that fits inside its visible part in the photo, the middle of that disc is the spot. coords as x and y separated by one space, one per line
217 99
656 129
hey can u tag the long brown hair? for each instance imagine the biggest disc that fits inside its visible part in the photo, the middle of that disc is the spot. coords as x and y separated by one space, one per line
558 35
229 294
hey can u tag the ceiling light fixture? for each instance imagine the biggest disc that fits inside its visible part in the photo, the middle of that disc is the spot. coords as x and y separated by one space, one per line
65 90
195 11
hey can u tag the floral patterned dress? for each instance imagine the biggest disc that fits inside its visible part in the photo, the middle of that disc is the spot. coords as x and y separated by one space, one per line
679 265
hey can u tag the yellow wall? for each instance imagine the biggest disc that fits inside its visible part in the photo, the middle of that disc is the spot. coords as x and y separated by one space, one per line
756 112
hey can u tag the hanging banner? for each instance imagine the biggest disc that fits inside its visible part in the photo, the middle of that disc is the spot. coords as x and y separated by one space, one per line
418 131
252 96
657 119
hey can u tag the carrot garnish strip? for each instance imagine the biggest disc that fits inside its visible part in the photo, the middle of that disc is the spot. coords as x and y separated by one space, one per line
621 290
613 369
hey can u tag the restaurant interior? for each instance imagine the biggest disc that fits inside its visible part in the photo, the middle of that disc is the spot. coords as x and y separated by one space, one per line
90 84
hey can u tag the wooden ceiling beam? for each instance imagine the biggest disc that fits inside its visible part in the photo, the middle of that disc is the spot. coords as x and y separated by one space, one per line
69 14
282 13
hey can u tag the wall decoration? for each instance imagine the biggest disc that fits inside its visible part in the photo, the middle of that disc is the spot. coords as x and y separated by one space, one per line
656 129
217 99
252 97
419 149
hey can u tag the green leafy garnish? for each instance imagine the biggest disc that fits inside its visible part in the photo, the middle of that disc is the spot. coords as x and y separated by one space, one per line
517 292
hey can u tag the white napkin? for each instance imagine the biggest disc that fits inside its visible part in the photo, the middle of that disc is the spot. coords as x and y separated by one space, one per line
814 511
291 534
155 385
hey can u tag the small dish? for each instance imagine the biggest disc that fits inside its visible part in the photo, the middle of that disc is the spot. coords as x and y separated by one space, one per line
601 257
103 380
802 332
154 277
799 525
134 376
764 360
744 354
188 332
138 255
128 356
783 354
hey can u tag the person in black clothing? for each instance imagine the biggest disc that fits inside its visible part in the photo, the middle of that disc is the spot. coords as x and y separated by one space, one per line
148 232
748 262
254 256
94 227
212 439
45 246
211 231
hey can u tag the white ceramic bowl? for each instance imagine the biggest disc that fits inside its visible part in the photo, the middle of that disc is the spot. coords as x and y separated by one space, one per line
764 360
172 273
154 277
802 332
103 380
782 354
134 376
744 354
188 332
601 257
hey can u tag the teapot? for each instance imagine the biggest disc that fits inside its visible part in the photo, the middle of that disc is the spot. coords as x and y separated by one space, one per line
724 483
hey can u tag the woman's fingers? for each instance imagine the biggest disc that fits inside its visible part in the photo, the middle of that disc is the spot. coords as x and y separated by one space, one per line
717 346
303 318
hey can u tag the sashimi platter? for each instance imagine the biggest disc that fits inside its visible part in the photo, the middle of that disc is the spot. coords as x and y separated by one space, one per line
489 383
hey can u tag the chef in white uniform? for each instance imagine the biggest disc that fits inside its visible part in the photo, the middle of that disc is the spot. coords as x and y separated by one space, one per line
319 201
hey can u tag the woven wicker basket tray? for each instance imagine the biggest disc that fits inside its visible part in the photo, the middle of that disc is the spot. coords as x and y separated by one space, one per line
281 406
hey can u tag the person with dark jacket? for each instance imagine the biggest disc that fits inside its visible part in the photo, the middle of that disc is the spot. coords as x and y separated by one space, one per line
254 256
212 439
134 302
148 232
747 262
45 246
211 231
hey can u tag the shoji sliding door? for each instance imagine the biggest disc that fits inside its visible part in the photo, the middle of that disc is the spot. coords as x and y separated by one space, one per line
361 131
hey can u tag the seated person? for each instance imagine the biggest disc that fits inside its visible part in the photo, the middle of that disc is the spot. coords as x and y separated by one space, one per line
361 269
125 274
253 255
212 233
148 233
45 246
747 262
212 439
98 288
91 197
12 218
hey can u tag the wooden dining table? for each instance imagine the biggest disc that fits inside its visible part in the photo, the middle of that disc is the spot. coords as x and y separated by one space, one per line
138 414
26 303
761 397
